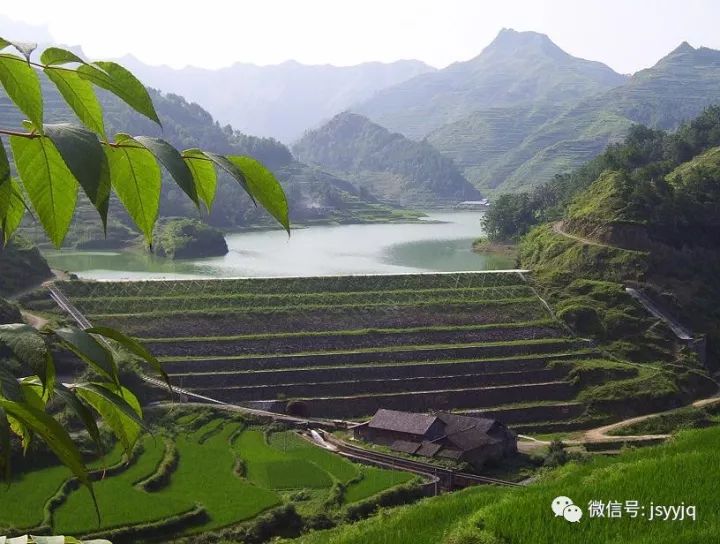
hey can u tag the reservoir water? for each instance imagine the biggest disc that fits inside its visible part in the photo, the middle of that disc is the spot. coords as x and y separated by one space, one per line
442 242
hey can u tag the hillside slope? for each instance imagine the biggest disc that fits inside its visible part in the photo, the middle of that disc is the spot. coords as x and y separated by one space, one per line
510 150
386 164
517 68
313 195
487 514
279 101
652 211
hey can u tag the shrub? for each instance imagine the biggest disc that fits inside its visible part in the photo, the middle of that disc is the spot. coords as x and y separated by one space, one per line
556 455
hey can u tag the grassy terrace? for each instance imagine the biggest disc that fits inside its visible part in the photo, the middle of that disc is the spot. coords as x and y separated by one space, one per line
250 474
347 345
672 474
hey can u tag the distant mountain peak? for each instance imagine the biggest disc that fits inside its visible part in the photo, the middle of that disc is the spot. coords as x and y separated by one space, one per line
510 41
684 47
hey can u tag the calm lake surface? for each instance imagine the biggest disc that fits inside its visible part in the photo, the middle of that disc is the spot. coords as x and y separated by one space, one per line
441 243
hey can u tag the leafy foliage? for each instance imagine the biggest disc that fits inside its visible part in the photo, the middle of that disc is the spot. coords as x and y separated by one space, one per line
24 402
53 160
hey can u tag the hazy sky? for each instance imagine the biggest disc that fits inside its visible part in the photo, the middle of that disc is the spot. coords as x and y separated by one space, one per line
628 35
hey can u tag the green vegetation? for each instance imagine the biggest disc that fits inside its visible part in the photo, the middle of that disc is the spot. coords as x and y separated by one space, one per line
627 170
676 420
187 239
385 164
77 515
669 475
247 472
372 481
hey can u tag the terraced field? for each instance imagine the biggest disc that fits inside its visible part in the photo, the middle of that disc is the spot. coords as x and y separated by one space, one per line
250 474
348 345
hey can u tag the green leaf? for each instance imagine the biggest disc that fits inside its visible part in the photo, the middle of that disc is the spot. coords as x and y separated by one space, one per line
22 85
264 187
56 55
204 175
52 433
231 169
12 208
136 178
121 413
5 186
119 81
4 165
89 350
5 458
49 183
26 48
9 386
81 411
80 96
28 346
84 156
133 346
171 159
32 390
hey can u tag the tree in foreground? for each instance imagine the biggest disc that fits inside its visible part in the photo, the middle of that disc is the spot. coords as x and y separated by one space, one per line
53 162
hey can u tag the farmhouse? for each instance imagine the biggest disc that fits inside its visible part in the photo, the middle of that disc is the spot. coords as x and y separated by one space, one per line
441 435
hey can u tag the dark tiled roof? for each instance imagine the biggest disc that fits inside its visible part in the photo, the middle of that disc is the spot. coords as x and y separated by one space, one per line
404 422
470 439
405 446
428 449
454 423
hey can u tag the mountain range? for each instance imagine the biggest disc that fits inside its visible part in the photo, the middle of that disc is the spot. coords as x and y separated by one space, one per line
517 68
279 101
511 118
512 149
517 114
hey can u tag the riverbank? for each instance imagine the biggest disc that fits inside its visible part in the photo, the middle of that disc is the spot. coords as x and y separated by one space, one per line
484 246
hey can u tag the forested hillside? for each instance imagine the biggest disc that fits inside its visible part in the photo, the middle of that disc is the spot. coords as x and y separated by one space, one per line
517 68
511 149
644 213
386 164
314 196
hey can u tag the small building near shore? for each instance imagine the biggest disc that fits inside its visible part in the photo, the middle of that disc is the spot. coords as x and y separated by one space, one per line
441 436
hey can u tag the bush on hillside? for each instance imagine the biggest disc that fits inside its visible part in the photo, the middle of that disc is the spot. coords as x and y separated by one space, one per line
188 239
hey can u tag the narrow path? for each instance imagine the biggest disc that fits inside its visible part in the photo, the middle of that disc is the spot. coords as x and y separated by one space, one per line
559 228
602 434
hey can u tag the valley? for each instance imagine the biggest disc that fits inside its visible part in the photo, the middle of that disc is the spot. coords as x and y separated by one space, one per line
310 303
